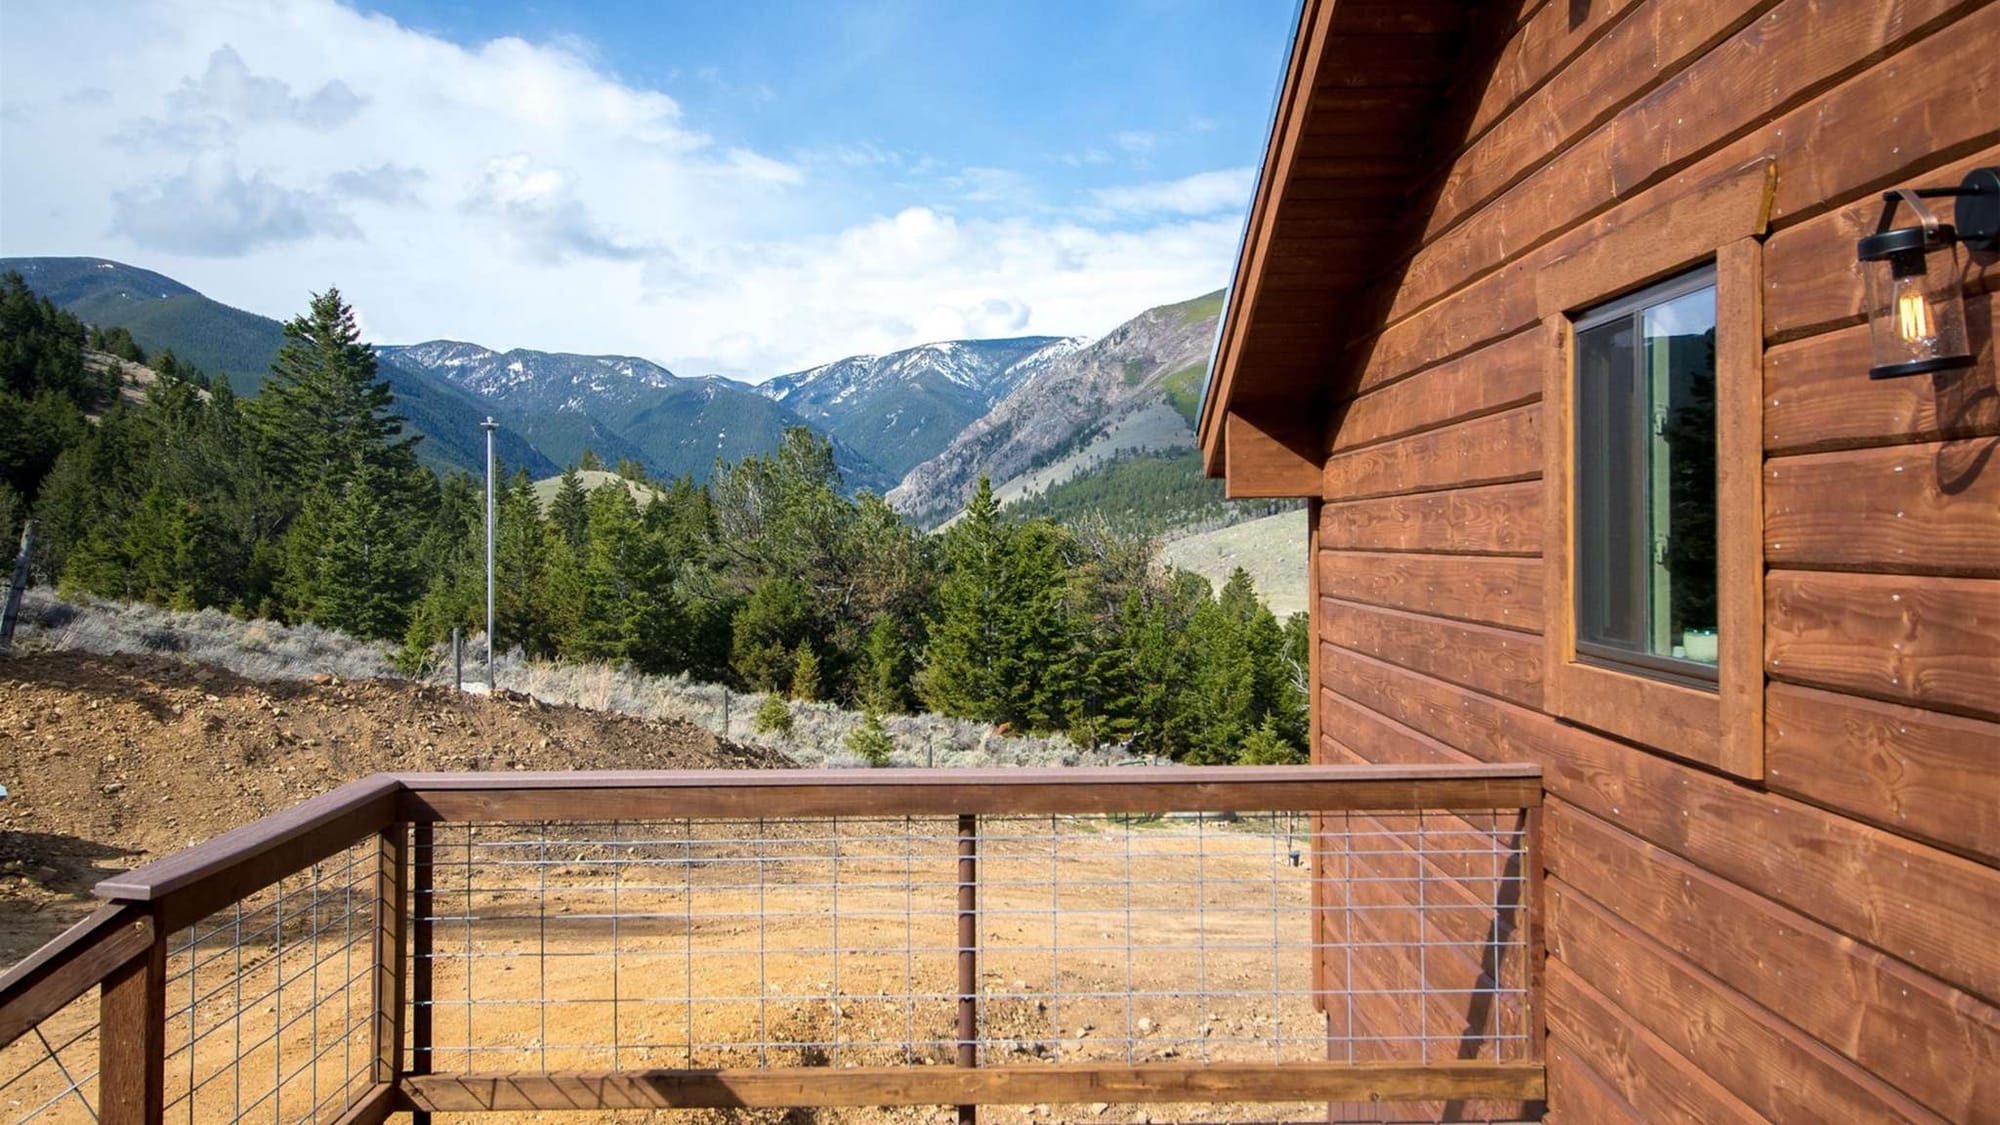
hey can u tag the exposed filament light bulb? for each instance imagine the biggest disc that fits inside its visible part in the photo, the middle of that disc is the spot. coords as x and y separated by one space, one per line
1913 315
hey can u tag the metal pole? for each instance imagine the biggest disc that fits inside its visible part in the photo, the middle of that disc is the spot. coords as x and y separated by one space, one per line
15 587
457 659
968 952
489 426
423 911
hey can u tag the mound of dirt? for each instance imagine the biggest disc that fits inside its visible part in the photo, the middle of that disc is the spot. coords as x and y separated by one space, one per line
113 761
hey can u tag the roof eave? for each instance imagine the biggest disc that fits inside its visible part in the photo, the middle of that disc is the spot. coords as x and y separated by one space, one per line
1281 146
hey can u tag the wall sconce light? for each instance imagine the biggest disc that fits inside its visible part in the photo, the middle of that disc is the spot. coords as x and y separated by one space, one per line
1916 314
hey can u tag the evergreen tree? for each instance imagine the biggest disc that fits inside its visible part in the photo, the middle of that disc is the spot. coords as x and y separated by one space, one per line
805 676
569 512
871 741
349 559
1035 670
161 541
886 667
774 715
41 350
626 608
1267 746
959 676
773 623
323 413
12 511
118 342
523 615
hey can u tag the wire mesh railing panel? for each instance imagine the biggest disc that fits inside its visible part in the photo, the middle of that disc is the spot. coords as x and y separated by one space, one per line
712 943
270 1012
50 1074
1425 951
692 944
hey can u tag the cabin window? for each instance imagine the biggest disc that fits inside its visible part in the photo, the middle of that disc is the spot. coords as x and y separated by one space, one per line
1645 521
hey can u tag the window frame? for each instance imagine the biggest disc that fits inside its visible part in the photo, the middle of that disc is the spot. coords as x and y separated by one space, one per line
1695 279
1719 724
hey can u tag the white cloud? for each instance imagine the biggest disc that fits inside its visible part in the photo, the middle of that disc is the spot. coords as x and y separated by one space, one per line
518 194
384 183
542 212
212 210
1136 142
1204 193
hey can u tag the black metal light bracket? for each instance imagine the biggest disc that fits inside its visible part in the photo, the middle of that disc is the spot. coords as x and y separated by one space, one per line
1977 222
1905 249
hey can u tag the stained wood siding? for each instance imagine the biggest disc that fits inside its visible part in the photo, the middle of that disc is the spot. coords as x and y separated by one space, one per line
1818 945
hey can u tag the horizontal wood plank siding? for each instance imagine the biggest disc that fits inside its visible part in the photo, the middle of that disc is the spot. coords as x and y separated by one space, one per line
1490 450
1934 1043
1907 509
1816 944
1912 771
1491 591
1928 642
1817 395
1775 1069
1931 909
1500 519
1643 1069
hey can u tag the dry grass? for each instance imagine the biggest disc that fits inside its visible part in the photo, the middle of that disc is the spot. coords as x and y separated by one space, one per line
256 649
819 730
269 651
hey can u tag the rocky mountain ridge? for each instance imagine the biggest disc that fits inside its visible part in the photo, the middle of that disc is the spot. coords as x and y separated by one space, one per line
1157 359
904 407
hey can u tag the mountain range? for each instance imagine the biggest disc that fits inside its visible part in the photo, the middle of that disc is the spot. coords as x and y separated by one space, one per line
1053 421
899 409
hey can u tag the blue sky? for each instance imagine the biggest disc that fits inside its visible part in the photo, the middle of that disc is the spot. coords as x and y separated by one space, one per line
1065 97
744 188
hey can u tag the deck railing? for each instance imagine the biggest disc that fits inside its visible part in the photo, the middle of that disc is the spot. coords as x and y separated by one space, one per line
526 942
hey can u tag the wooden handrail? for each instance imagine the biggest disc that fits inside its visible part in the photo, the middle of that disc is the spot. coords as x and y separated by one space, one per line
852 792
69 966
189 885
780 1087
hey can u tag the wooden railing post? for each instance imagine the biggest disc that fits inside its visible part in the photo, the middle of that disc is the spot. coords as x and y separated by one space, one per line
968 952
423 872
1532 897
132 1038
392 906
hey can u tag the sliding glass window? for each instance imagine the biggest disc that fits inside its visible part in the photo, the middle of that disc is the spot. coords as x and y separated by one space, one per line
1645 481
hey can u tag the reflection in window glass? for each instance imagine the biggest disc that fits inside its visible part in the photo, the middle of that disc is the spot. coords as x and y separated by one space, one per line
1645 487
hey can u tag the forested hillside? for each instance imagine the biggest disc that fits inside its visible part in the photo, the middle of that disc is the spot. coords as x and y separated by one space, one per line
308 503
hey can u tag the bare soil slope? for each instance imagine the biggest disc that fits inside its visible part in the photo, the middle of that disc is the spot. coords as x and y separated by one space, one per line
113 761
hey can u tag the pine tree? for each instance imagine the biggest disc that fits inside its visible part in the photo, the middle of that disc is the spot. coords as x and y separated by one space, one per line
805 676
521 571
161 541
322 413
1224 675
767 632
1036 668
349 560
569 512
1267 746
959 676
886 667
625 605
871 741
774 715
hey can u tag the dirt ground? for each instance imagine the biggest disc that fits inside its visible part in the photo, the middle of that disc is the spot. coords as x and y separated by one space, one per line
113 761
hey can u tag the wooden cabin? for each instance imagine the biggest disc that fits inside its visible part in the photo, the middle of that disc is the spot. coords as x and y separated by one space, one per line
1552 314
